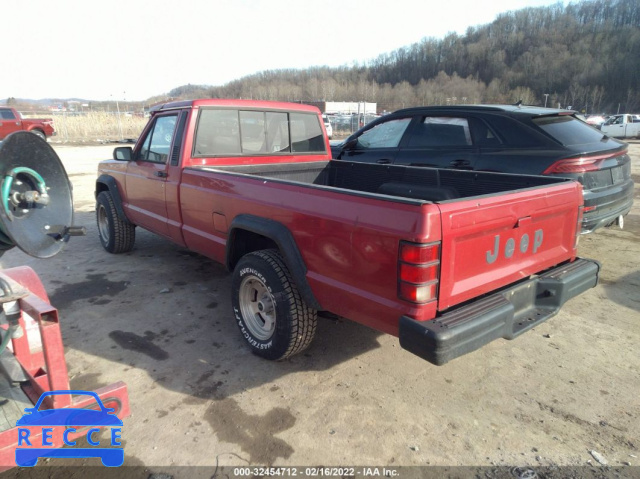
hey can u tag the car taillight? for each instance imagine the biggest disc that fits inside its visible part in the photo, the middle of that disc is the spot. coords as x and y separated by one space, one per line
418 272
579 165
575 165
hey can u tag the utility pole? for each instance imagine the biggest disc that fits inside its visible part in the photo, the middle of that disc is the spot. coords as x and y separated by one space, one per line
119 122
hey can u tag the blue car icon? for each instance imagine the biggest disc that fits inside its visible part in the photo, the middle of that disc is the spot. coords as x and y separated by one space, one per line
69 417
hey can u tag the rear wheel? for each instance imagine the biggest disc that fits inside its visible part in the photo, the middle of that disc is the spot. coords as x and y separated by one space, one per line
269 310
116 236
40 134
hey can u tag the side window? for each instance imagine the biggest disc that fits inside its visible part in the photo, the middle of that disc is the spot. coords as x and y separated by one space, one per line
218 133
306 133
384 135
482 135
441 131
252 132
157 144
512 133
278 133
7 115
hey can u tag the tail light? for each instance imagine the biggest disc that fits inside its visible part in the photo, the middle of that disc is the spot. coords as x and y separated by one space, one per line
574 165
578 227
579 165
418 272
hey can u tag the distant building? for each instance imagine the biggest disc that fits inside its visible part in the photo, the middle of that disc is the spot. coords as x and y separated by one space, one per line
345 107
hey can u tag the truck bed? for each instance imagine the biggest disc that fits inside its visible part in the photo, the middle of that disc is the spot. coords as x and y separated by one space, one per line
404 184
347 219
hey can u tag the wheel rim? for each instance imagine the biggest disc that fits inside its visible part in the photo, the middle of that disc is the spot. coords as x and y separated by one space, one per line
103 223
258 308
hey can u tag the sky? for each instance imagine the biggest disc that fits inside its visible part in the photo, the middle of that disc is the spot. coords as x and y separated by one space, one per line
135 49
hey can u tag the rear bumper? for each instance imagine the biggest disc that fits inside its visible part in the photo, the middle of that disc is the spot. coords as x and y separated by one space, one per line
610 203
506 314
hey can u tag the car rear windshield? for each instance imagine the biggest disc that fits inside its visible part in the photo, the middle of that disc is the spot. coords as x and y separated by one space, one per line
568 130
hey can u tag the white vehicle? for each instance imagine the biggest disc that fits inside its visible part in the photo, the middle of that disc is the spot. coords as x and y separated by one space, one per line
327 125
622 126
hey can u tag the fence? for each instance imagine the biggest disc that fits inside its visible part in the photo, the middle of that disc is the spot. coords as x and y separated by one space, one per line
345 125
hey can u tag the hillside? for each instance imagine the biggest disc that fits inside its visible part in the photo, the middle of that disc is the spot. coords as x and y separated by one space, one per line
585 55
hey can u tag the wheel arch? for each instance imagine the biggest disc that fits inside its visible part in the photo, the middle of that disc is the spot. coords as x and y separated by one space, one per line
249 233
108 183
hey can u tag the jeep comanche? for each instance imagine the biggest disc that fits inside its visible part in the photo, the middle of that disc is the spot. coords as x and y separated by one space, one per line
447 260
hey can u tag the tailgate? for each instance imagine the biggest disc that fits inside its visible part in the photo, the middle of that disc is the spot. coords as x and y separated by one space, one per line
491 242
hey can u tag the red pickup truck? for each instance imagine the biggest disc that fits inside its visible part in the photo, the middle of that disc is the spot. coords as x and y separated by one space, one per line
11 120
447 260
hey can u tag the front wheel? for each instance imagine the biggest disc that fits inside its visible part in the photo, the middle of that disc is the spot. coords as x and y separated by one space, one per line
116 235
272 317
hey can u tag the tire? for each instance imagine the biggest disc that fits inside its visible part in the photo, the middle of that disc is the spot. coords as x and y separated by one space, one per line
272 317
116 236
39 134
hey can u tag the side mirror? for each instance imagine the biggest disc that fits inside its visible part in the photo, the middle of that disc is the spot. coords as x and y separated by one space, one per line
350 145
123 153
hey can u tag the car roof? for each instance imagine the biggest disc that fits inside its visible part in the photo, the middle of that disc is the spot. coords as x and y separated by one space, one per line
512 109
269 105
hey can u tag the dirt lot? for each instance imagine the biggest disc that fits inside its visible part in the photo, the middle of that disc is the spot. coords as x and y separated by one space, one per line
159 318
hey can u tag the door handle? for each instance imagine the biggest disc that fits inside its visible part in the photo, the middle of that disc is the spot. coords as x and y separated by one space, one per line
383 162
461 164
161 174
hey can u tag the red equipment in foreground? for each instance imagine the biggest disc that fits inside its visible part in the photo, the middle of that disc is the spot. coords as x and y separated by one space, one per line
44 364
36 214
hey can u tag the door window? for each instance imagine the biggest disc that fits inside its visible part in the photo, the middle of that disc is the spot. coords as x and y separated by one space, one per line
440 131
157 144
384 135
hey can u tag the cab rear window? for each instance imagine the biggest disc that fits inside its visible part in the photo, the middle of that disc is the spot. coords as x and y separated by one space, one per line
568 130
230 132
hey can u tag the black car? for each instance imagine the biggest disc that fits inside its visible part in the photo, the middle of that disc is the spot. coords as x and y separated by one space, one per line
504 138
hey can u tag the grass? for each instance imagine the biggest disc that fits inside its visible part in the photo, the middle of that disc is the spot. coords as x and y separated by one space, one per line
96 127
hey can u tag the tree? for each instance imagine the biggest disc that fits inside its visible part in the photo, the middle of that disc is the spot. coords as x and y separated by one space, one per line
586 54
